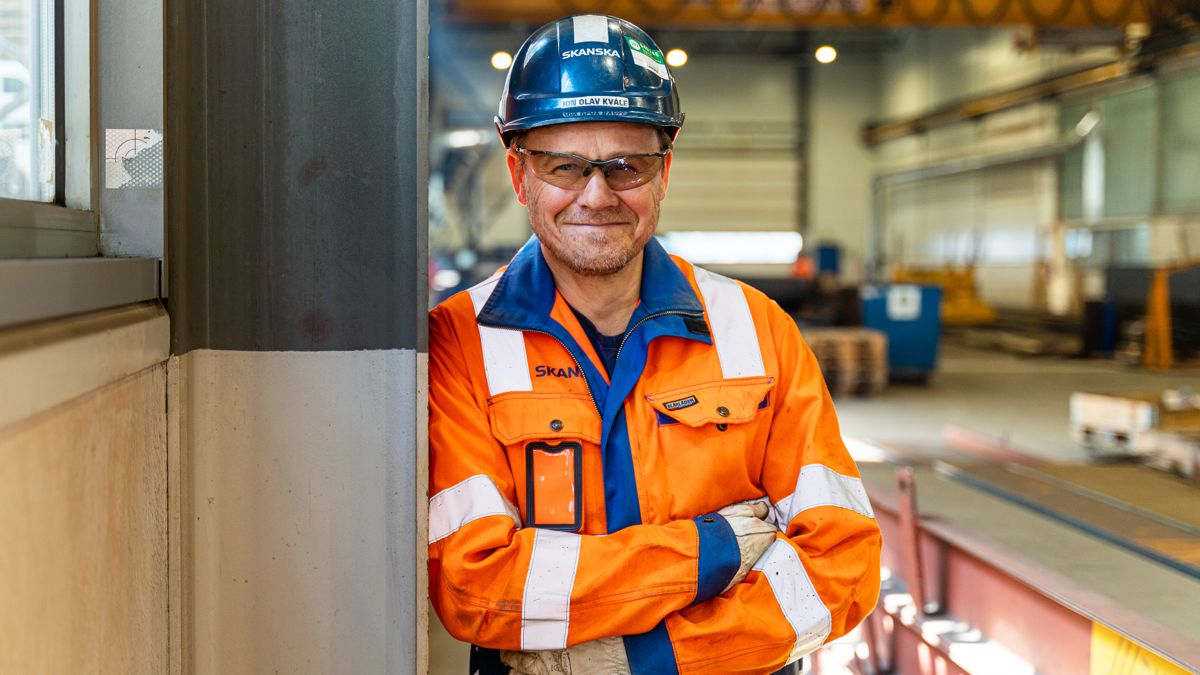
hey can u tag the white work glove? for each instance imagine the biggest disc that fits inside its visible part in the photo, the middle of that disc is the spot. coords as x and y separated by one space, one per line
754 535
605 656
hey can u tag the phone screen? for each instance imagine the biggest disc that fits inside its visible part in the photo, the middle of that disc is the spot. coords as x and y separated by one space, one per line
554 483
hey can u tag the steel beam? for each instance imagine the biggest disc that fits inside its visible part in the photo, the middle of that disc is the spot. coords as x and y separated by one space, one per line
793 14
296 187
1008 598
297 174
875 133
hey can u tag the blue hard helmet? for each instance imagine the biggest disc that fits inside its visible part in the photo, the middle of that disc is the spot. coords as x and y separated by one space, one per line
588 68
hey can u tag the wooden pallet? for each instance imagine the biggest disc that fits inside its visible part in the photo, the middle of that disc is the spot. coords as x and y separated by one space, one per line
853 360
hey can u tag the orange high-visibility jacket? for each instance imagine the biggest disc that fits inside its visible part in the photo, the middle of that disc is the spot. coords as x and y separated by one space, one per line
715 399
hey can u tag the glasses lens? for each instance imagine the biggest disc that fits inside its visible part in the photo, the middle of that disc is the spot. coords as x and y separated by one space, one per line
573 173
632 171
563 172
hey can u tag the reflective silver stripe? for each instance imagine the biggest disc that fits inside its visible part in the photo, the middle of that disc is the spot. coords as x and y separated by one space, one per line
474 498
732 326
546 609
504 358
819 485
796 596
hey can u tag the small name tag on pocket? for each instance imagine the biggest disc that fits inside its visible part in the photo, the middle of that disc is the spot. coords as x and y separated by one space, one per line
681 403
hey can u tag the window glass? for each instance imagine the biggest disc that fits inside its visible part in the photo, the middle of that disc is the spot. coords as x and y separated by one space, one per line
1071 166
1130 119
27 149
1181 145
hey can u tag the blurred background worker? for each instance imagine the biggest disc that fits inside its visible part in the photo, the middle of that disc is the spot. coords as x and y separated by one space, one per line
635 465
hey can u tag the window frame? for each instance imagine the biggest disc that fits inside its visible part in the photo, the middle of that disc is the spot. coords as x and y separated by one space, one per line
66 226
51 259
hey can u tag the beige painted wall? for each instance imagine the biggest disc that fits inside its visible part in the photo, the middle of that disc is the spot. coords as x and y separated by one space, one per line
83 573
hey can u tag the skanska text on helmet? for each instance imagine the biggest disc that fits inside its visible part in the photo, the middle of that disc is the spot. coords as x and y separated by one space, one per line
590 51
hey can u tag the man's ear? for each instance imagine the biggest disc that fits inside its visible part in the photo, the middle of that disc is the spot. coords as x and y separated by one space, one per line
516 170
666 176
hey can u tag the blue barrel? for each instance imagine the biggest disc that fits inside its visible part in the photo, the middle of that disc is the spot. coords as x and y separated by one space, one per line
911 316
829 259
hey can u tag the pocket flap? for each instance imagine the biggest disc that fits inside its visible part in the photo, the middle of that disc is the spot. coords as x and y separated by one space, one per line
723 402
519 416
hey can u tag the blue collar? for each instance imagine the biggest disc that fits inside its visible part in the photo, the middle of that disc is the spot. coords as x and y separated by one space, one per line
525 294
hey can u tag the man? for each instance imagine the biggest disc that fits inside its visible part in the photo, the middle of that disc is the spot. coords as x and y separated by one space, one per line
634 464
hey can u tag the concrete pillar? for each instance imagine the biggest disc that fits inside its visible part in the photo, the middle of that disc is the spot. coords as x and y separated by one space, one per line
296 235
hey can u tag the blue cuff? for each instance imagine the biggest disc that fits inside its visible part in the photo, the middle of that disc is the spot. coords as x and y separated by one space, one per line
719 556
651 653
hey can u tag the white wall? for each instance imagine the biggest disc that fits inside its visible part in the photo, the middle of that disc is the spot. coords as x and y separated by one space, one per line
129 65
737 162
1001 219
843 96
996 219
289 470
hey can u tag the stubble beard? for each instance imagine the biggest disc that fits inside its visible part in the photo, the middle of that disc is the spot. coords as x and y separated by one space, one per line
598 251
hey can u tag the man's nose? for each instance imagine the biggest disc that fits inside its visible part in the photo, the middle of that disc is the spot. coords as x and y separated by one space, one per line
596 194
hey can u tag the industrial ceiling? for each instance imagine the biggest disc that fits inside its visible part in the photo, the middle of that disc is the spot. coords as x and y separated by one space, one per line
794 14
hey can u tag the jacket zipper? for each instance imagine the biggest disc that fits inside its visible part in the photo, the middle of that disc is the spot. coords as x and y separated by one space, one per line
644 320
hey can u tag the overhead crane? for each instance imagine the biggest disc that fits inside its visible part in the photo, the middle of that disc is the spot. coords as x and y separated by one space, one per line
792 14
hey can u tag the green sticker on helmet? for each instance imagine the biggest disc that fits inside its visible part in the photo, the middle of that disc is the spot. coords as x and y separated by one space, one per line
648 57
641 48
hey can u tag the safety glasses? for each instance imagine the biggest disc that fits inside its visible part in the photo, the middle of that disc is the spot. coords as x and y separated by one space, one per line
572 172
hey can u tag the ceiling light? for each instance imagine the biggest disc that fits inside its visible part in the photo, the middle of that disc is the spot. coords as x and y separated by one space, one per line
826 54
501 60
446 279
676 58
464 138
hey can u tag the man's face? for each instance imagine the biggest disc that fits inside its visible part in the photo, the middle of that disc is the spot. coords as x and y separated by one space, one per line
594 230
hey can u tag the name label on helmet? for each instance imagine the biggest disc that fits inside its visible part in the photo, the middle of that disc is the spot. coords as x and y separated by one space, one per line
598 101
590 51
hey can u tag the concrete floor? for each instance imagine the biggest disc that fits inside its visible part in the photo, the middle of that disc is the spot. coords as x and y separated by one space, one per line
1021 399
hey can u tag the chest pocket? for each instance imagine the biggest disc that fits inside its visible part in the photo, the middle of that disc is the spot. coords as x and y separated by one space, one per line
721 403
552 441
517 417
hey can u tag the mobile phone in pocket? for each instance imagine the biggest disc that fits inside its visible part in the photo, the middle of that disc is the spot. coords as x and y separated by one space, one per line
554 485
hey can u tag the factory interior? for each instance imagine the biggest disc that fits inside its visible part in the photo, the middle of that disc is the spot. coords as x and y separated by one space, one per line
987 231
222 225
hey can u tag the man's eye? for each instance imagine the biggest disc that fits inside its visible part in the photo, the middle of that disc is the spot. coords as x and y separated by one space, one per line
565 168
621 170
